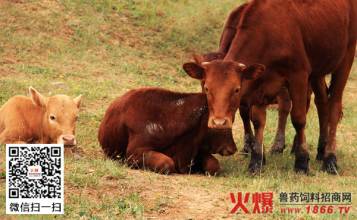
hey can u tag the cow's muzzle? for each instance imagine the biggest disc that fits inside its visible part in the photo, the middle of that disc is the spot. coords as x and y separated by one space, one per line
67 140
219 123
227 150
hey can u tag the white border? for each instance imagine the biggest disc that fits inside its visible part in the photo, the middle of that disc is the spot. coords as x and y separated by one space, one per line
37 200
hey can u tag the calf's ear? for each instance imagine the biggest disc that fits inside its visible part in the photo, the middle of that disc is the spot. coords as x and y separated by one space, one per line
253 71
78 100
194 70
37 98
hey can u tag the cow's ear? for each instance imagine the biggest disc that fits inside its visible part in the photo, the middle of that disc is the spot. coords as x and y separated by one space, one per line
194 70
253 71
37 98
78 100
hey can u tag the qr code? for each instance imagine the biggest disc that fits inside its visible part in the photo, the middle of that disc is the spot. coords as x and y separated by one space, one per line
34 179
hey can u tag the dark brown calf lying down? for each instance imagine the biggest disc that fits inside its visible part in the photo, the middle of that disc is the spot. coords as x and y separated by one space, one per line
163 131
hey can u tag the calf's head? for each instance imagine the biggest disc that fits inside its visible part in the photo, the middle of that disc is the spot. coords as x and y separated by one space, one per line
221 82
59 118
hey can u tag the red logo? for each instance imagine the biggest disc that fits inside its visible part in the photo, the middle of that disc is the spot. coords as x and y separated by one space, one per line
261 202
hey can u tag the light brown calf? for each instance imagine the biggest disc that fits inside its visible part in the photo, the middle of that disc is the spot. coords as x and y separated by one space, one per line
39 119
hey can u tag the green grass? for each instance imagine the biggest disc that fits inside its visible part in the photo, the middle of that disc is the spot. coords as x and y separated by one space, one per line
101 49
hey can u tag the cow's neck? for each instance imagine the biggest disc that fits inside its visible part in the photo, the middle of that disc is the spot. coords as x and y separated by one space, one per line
254 33
196 127
197 106
249 47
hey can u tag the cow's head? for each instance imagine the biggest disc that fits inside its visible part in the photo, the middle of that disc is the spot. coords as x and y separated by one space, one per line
60 116
220 141
221 81
208 57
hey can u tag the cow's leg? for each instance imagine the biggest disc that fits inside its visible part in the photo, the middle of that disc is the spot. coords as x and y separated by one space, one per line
206 163
284 103
244 112
308 99
321 101
257 155
298 88
146 158
338 83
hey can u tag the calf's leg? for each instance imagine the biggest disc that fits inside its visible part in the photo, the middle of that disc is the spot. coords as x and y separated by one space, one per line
257 159
206 163
146 158
244 112
284 103
321 101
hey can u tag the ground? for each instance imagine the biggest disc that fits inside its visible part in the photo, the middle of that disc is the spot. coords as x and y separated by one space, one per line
101 49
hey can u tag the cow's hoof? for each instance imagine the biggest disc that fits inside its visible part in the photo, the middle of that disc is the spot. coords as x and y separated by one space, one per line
279 144
330 164
256 164
277 149
211 165
302 164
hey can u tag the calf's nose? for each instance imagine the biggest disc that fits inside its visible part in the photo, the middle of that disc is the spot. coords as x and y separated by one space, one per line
68 139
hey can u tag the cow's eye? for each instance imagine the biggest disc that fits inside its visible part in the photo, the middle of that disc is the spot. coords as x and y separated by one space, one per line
52 117
237 90
206 89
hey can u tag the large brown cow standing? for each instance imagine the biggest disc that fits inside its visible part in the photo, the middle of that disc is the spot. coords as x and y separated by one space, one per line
298 42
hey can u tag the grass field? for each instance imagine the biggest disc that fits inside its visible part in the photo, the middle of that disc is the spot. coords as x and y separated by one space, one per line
101 49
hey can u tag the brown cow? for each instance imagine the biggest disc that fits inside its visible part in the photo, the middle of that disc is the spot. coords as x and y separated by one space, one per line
163 131
283 98
39 119
298 42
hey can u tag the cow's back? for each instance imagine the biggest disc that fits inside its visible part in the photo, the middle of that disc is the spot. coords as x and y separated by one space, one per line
20 114
328 29
299 33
